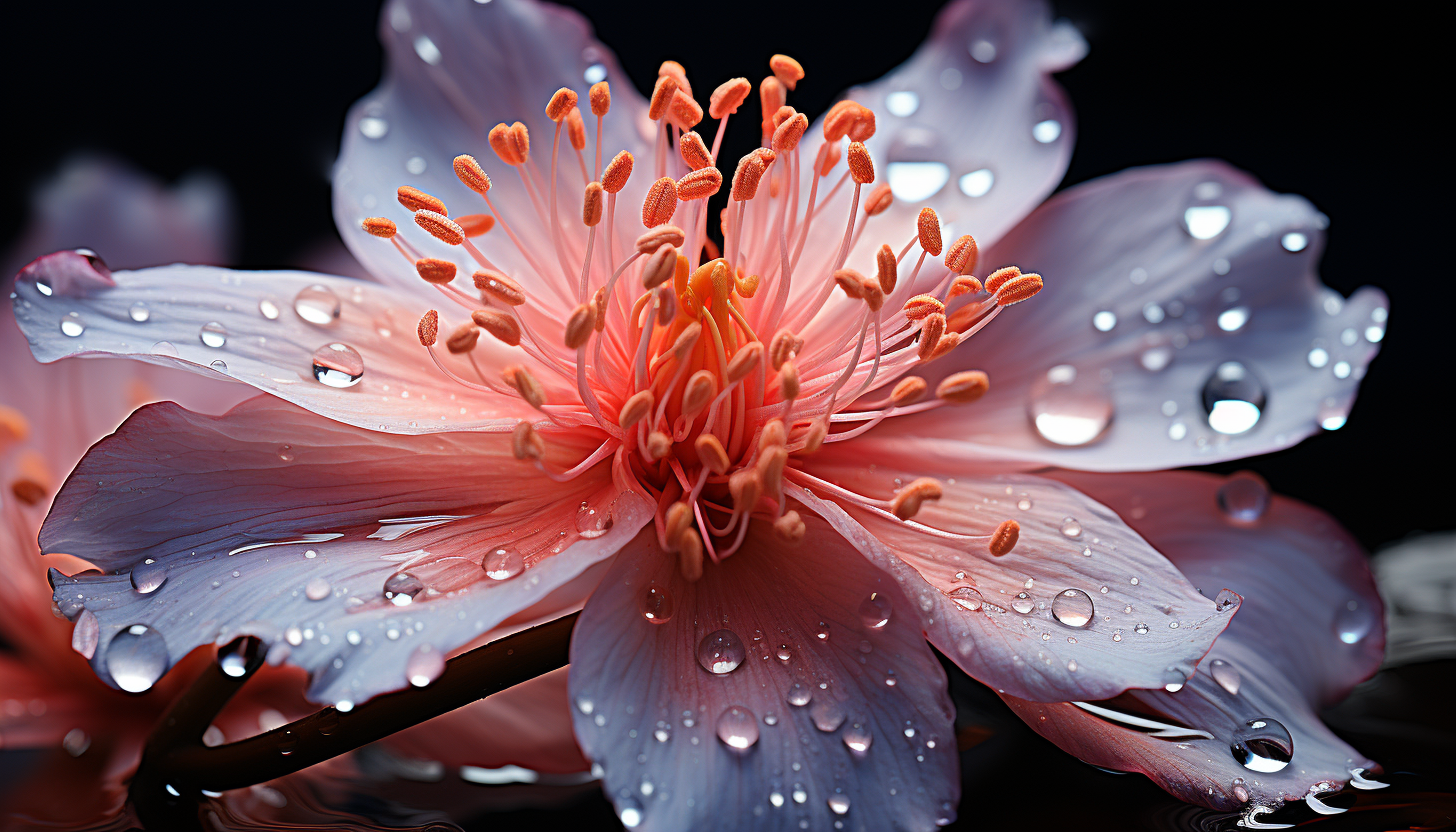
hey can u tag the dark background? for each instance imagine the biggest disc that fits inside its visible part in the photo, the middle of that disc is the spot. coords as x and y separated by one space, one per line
1340 108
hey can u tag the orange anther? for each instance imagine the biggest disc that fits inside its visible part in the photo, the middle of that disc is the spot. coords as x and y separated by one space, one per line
521 141
575 129
678 73
851 281
907 502
928 228
690 554
659 445
653 239
661 96
783 348
931 328
773 435
771 96
635 409
815 435
789 527
782 115
660 266
728 97
947 342
746 177
429 328
693 151
683 111
520 379
786 69
699 184
874 296
702 386
434 270
497 287
829 154
745 286
887 270
838 120
501 326
963 387
863 126
789 380
861 166
711 453
526 442
746 486
879 200
14 427
440 227
561 102
961 256
748 358
475 225
1018 289
470 172
500 141
770 467
417 200
462 339
591 208
908 390
1003 540
600 96
661 202
614 178
788 134
686 339
599 306
921 306
380 227
677 519
1000 276
580 325
964 285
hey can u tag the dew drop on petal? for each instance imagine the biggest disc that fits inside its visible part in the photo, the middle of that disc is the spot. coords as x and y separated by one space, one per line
1022 603
213 334
235 656
721 652
1225 599
1353 622
268 309
827 714
1104 321
591 523
373 127
874 611
977 183
857 738
799 694
1243 498
1204 222
737 728
1232 320
139 312
1141 629
317 304
401 588
1233 398
838 804
72 326
657 605
1225 674
784 653
1294 241
1072 607
317 589
1071 528
1318 357
86 634
1263 745
148 576
1046 131
503 563
424 665
1068 408
629 812
338 365
967 598
137 657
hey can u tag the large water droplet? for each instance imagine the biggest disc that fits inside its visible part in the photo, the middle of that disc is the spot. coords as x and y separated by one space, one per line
1046 131
86 634
1071 528
148 576
503 563
424 665
1294 241
235 656
916 181
1233 398
373 127
213 334
799 694
338 365
857 738
139 312
827 714
903 103
629 811
977 183
663 731
1204 222
720 652
317 304
1173 678
317 589
1263 745
1232 320
874 611
1353 622
1072 607
268 309
1104 321
401 588
591 523
1022 603
72 326
136 658
737 728
1069 408
967 598
657 605
1243 498
838 804
1225 674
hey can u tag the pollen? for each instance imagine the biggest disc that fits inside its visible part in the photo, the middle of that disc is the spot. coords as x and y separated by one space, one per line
440 227
693 151
521 380
434 270
600 96
711 453
728 97
879 201
501 326
961 256
790 527
928 228
1000 276
575 129
380 227
1003 540
700 184
963 387
886 269
908 390
964 285
614 178
660 266
635 409
429 328
786 69
654 238
908 500
661 96
580 325
591 209
562 102
469 171
463 339
417 200
526 442
475 225
922 306
1018 289
661 202
931 328
861 166
498 287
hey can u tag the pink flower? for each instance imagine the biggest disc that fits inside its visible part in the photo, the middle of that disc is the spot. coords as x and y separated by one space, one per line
768 478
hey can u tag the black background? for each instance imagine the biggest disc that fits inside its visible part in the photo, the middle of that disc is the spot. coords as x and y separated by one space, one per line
1343 109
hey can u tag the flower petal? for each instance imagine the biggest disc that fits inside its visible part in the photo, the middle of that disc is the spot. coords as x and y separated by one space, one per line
1182 323
276 522
875 744
267 329
1081 607
455 71
1309 630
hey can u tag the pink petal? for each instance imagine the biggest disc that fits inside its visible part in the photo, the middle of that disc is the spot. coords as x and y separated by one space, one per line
1308 631
230 508
1132 621
267 329
453 73
1178 309
660 724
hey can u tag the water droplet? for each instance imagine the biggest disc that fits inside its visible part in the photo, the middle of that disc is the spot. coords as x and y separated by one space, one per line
721 652
594 73
799 695
1174 679
1353 622
629 811
1104 321
137 657
424 665
1069 408
72 326
737 728
838 804
1233 398
916 181
44 288
1225 599
982 50
827 714
967 598
268 309
874 611
776 798
1022 603
1225 674
1047 130
857 738
1342 369
75 742
977 183
591 523
427 50
784 653
799 794
1141 629
1373 334
139 312
903 103
657 605
148 576
1072 607
1294 241
213 334
86 634
401 588
317 304
1232 320
415 165
317 589
1243 498
1204 222
373 127
235 656
1071 528
1263 745
219 365
503 563
663 731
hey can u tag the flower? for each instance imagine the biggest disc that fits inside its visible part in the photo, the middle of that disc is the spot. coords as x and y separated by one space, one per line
732 457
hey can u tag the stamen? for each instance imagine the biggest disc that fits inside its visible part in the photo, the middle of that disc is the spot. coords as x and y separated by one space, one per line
874 296
678 519
963 387
678 73
828 157
908 390
469 171
462 339
745 181
838 120
1018 289
429 328
789 381
659 445
814 437
702 386
879 201
928 227
690 554
499 138
475 225
787 135
1003 540
579 326
748 358
783 347
771 96
960 258
600 96
521 380
563 101
501 326
526 442
963 285
440 227
499 288
591 209
790 527
864 125
699 184
931 329
662 93
417 200
728 97
923 306
599 305
575 129
1000 276
661 266
614 178
434 270
711 454
786 69
746 487
947 342
693 151
683 112
886 269
635 409
661 202
380 227
654 239
520 140
861 166
851 281
907 502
